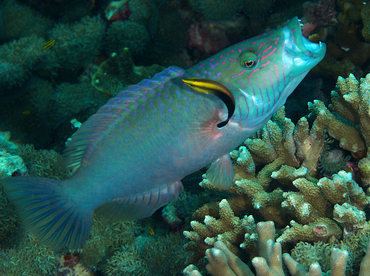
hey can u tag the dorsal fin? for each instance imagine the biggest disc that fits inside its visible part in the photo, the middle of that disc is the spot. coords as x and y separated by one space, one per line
115 110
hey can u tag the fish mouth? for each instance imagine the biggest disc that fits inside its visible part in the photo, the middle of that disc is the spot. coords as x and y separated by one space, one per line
298 50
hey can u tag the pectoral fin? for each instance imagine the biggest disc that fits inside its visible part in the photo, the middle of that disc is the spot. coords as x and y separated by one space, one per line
221 172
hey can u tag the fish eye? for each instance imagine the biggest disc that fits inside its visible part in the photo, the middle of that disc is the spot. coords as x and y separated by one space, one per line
248 59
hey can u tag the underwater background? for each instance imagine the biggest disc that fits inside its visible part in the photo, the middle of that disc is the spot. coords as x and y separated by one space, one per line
308 169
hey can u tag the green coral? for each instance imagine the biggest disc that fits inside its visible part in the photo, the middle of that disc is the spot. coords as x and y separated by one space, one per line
157 256
119 71
307 254
18 60
17 20
365 14
28 257
126 34
73 100
39 163
126 261
77 44
9 223
104 240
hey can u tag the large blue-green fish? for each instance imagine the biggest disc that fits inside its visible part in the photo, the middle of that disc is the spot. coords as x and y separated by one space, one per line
127 160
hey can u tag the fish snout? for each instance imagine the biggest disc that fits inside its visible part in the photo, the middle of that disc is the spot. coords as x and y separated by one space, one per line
298 51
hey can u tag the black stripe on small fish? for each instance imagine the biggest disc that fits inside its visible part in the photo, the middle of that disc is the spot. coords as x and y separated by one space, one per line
217 89
48 45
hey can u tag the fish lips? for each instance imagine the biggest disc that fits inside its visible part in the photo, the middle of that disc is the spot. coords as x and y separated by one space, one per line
298 51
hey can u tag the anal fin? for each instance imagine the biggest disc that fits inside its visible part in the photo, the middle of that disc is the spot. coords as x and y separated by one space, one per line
139 206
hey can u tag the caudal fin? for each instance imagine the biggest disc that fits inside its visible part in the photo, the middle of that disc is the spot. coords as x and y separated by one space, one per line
44 209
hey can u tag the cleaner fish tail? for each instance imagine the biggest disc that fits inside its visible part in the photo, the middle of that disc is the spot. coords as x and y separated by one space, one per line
48 212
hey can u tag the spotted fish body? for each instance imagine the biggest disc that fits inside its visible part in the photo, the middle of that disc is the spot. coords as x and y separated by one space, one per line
127 160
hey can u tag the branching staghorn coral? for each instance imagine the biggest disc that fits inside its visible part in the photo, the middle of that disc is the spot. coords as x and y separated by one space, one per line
351 101
284 156
288 151
222 262
229 229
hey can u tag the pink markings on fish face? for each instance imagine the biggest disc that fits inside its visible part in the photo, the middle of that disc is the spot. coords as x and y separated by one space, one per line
264 51
269 54
237 75
263 43
265 64
234 60
250 75
224 62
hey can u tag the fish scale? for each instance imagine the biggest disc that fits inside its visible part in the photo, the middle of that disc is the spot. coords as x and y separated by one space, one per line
127 160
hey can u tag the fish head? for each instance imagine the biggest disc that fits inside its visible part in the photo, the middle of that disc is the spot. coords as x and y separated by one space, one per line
261 72
276 60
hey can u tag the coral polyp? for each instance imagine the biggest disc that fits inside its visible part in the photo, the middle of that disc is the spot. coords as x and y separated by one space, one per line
332 161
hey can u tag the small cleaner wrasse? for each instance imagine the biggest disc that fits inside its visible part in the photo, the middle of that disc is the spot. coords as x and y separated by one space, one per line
127 160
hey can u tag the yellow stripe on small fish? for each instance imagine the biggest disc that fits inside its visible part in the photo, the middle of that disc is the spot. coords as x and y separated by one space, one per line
151 232
48 45
26 112
217 89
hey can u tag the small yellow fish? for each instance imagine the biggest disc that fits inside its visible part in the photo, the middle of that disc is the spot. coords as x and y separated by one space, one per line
217 89
48 45
151 232
26 112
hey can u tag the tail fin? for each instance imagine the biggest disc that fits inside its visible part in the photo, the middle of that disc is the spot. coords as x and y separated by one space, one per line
47 211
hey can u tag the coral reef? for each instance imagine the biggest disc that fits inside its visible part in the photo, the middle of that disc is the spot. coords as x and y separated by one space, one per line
332 161
365 15
270 261
16 260
229 229
126 34
11 165
225 10
286 156
77 44
257 9
286 172
18 59
17 21
119 71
